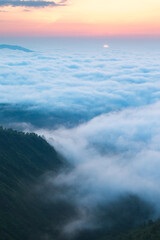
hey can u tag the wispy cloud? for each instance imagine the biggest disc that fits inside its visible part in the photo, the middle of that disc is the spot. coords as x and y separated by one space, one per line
32 3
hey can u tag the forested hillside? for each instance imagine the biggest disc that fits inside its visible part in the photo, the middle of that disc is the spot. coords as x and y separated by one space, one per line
149 231
23 159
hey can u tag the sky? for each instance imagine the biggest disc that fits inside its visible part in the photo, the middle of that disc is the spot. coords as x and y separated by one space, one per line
79 18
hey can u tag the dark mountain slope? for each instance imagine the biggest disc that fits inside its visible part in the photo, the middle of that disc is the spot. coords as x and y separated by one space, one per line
23 213
150 231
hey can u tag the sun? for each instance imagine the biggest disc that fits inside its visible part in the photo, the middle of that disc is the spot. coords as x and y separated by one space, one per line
106 46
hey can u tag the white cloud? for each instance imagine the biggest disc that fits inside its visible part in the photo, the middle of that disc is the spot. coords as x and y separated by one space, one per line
113 155
117 152
92 83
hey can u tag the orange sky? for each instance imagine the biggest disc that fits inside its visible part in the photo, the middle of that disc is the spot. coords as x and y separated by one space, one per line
83 18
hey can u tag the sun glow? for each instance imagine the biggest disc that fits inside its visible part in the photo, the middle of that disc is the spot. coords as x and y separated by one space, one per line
84 18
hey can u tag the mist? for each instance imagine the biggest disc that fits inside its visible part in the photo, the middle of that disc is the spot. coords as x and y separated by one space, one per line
114 155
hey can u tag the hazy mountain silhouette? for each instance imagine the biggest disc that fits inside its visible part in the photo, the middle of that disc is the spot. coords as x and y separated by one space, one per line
14 47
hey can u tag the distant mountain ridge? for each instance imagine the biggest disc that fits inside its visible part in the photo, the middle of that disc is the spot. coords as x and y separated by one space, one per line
14 47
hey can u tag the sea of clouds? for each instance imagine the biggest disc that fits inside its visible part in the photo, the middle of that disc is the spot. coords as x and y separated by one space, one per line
111 100
89 83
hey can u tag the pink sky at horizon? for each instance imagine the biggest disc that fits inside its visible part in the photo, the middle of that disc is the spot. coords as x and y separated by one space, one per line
83 18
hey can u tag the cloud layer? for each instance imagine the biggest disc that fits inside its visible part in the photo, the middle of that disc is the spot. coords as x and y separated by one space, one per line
80 83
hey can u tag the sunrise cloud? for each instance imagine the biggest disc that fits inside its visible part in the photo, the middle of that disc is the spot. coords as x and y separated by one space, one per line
33 3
